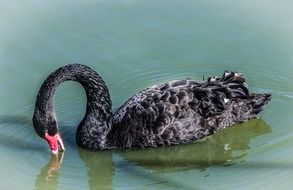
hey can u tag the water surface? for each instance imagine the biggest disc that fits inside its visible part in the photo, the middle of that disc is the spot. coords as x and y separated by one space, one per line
135 44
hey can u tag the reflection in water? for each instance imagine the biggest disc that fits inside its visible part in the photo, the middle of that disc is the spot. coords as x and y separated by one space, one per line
221 148
49 174
100 168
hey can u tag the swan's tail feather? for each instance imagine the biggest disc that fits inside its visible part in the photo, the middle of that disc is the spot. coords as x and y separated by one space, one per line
238 87
232 77
258 101
233 83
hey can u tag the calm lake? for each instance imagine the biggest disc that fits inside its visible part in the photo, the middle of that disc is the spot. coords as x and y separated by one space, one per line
134 44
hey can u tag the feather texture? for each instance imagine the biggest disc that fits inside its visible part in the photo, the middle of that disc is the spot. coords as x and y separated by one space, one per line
181 111
175 112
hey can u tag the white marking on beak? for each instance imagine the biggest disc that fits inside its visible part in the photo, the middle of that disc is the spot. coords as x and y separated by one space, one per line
55 152
60 142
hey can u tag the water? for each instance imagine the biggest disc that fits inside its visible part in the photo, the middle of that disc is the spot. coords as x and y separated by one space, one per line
135 44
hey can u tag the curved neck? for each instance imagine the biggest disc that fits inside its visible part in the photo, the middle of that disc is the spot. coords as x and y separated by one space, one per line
97 120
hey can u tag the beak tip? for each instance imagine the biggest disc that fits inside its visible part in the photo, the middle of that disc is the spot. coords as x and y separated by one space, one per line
55 152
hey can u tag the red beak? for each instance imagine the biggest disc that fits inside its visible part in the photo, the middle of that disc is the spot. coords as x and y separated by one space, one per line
55 143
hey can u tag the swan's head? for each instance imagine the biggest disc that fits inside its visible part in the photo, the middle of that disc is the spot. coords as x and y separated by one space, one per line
46 128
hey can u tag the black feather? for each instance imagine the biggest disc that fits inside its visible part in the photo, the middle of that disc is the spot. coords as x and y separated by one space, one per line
171 113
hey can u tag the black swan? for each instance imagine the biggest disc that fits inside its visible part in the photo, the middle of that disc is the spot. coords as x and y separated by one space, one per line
175 112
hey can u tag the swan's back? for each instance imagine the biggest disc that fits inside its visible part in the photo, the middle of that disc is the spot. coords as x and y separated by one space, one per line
182 111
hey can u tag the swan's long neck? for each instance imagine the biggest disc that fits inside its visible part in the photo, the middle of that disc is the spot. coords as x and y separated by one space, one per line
92 130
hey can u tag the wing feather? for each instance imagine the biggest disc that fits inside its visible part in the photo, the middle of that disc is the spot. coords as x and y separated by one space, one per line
177 111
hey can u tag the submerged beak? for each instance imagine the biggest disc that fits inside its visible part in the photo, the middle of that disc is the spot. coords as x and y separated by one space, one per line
55 143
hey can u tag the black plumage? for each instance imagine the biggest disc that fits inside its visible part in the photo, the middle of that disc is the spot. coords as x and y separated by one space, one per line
171 113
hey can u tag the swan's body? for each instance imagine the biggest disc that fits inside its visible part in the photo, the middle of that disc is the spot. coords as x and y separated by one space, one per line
176 112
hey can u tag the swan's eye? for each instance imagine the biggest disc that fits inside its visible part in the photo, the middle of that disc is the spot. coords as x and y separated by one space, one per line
52 128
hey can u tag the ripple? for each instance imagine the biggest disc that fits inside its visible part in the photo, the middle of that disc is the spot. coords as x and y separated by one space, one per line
134 45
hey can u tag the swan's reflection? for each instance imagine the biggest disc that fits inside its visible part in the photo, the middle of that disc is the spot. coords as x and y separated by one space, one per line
223 148
49 174
100 169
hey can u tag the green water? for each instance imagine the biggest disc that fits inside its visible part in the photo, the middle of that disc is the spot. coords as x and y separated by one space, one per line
134 44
